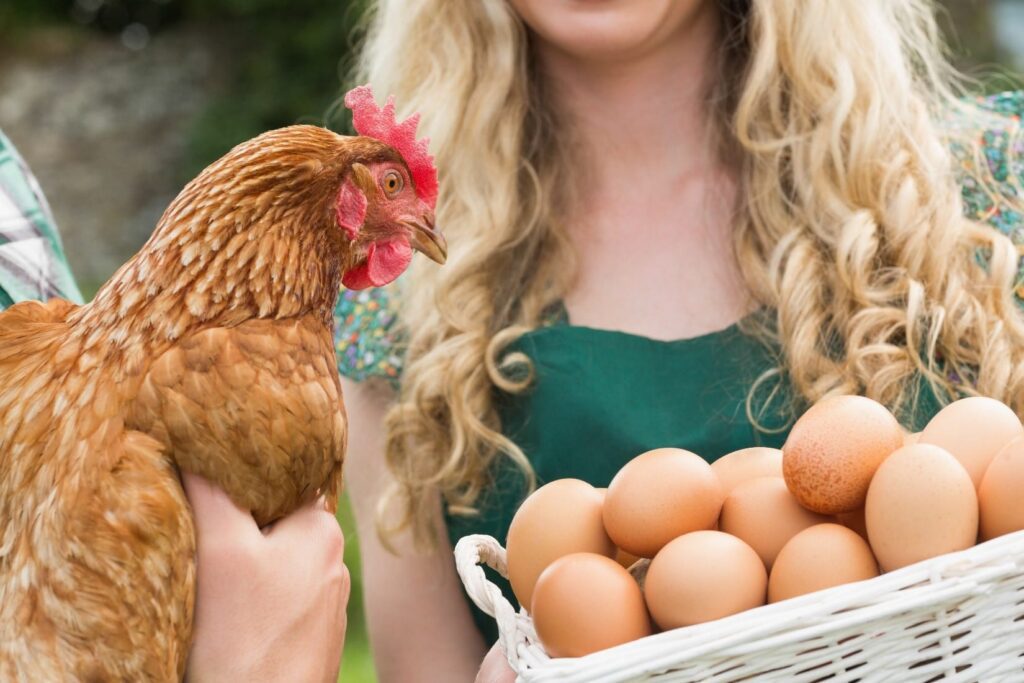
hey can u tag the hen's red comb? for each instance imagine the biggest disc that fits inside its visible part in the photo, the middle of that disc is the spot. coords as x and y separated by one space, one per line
374 122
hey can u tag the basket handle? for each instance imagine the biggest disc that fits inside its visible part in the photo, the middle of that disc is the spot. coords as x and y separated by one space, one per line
470 552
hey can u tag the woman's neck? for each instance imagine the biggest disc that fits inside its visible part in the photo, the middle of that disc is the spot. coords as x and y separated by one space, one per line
653 201
636 113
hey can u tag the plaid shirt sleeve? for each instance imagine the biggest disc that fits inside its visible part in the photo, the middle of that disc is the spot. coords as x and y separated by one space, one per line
32 263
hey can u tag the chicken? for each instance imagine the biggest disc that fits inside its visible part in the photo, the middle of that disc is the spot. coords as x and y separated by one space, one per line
210 351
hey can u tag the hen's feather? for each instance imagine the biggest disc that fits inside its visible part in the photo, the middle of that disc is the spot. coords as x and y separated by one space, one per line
31 337
250 404
96 557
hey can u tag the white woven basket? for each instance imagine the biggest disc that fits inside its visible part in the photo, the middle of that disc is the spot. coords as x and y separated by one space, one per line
958 617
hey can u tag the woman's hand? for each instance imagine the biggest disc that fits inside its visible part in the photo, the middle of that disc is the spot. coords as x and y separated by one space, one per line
270 604
495 668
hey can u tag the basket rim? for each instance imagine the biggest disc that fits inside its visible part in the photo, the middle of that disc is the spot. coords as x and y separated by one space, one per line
960 574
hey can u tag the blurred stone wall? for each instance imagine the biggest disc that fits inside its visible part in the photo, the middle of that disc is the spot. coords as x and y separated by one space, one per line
104 126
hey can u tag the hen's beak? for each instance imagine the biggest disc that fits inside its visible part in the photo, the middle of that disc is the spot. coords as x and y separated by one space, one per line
426 239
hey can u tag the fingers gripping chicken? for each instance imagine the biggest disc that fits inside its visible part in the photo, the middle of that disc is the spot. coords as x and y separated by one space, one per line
209 351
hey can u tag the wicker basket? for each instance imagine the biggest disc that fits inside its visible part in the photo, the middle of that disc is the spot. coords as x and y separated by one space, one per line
958 617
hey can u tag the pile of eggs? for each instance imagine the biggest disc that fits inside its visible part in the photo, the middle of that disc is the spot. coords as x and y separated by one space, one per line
674 541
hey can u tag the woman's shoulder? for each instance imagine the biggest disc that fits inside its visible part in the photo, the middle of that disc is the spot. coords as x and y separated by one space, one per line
32 263
985 138
366 337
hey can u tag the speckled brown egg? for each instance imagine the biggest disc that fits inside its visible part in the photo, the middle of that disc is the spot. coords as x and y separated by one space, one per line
820 557
834 449
584 602
921 504
746 464
702 576
658 496
973 430
764 514
559 518
1001 496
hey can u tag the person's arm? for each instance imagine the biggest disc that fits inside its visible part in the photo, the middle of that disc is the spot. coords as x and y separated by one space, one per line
32 260
32 263
419 623
270 604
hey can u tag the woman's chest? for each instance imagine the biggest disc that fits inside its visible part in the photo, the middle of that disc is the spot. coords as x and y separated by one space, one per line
600 398
661 265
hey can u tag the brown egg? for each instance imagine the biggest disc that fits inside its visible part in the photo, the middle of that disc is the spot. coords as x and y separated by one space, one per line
765 515
834 449
1001 496
559 518
973 430
854 521
583 603
702 576
820 557
921 504
658 496
910 438
746 464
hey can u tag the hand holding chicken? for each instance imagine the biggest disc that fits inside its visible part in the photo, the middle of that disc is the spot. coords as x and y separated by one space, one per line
211 352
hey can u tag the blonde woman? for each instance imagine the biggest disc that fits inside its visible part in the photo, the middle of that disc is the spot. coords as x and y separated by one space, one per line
672 223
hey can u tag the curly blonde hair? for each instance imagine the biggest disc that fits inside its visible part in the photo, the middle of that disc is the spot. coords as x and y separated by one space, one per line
849 226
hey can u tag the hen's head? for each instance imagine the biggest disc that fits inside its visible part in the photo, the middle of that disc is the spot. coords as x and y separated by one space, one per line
281 218
385 205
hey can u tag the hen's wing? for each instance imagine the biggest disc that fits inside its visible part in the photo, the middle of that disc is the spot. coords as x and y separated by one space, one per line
255 408
99 586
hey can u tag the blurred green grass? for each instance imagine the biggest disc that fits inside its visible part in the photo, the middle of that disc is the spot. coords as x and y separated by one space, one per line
357 660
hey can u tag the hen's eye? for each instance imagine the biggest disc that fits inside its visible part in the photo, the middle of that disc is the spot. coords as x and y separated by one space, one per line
392 183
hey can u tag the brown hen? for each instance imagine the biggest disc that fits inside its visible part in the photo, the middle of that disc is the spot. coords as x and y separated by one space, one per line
209 351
